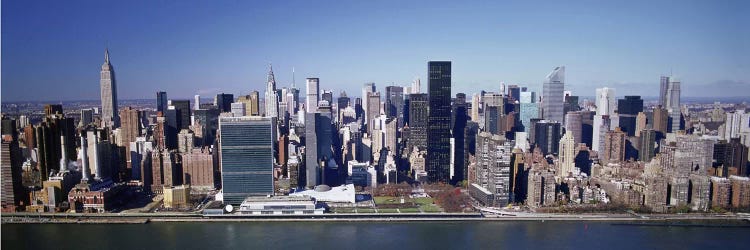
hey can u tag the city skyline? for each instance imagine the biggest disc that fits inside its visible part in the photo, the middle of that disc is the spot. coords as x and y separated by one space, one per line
483 48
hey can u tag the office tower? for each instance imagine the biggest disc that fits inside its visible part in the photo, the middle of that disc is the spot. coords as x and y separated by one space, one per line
246 154
418 122
367 88
514 93
614 146
571 104
438 129
251 102
628 108
394 103
567 155
238 109
647 143
547 136
327 95
183 113
476 99
529 110
196 102
171 127
373 109
109 93
641 122
52 109
11 158
663 88
552 102
224 102
574 124
208 119
87 117
130 129
416 86
271 98
313 95
732 157
494 107
492 171
733 124
661 121
319 157
673 105
185 141
161 101
459 117
605 108
343 102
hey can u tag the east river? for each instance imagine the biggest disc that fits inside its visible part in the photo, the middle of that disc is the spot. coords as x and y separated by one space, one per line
373 235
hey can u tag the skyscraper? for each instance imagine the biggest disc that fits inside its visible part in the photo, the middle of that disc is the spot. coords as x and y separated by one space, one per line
224 102
272 102
552 95
492 171
614 146
373 108
367 88
418 106
567 154
628 108
183 113
246 157
605 108
313 95
108 85
647 139
395 103
673 105
547 136
161 101
459 117
663 87
438 130
574 124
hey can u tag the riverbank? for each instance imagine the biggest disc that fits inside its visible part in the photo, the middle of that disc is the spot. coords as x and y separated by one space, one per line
30 218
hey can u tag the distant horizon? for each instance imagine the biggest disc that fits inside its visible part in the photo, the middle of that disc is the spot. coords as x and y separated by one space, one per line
56 48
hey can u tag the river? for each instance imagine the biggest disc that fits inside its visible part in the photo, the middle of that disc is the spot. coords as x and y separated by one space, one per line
370 235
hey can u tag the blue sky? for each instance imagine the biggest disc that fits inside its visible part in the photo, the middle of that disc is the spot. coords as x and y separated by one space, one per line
52 50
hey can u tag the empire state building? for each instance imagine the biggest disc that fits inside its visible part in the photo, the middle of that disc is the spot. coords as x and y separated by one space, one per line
110 118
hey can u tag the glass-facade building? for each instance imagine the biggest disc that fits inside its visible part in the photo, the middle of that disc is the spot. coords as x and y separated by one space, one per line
246 157
438 130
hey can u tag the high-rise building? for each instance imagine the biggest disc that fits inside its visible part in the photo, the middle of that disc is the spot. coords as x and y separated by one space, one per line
547 136
614 146
567 155
492 170
416 86
438 130
246 157
574 124
319 157
224 102
641 123
552 102
459 118
660 121
208 119
87 117
373 109
313 95
663 88
395 103
109 93
238 109
183 113
605 109
628 109
647 145
161 101
131 128
732 157
418 106
367 88
673 105
529 110
271 100
196 102
11 159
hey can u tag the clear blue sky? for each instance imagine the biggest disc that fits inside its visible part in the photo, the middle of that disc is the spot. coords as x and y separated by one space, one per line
53 50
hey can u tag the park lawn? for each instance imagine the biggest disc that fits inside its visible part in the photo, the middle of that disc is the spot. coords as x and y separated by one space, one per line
388 210
365 210
430 209
387 200
423 200
410 210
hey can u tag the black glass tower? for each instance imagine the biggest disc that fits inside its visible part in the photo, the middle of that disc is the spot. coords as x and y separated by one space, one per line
628 109
438 130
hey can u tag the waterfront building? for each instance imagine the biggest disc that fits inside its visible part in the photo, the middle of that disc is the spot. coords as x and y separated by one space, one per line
740 191
438 128
492 171
246 157
280 205
176 196
720 192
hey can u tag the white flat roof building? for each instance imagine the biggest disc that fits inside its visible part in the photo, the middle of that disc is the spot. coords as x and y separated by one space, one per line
324 193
